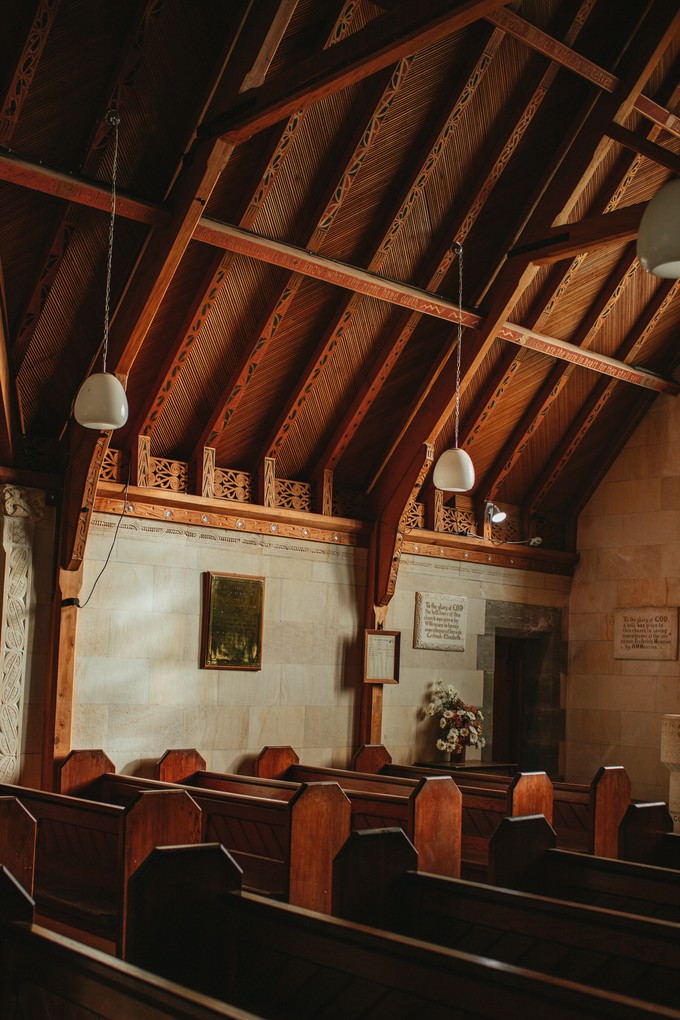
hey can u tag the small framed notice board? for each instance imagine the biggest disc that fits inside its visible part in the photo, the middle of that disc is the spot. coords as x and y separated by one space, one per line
381 656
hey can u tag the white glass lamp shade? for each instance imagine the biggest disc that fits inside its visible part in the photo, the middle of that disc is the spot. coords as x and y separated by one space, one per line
658 243
101 403
454 471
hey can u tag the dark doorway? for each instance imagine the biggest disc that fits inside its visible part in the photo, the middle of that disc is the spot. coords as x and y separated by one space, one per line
508 700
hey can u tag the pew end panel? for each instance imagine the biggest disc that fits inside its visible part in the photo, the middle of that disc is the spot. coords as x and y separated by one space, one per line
177 765
173 886
610 797
320 824
18 835
371 758
517 848
530 793
273 762
646 835
365 872
154 818
80 770
437 825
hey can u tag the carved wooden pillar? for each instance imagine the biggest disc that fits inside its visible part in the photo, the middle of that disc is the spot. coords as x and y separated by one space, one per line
20 509
267 482
203 471
434 510
141 464
323 493
61 674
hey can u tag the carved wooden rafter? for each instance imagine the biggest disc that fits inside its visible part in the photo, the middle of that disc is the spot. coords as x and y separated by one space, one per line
537 411
581 151
95 149
38 34
8 409
629 350
457 231
208 293
362 139
402 207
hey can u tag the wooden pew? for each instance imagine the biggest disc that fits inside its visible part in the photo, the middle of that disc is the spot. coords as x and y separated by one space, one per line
482 807
18 834
282 962
585 818
285 836
523 855
45 975
429 811
375 882
85 853
646 835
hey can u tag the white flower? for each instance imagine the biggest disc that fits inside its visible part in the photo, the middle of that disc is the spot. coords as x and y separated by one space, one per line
442 723
442 745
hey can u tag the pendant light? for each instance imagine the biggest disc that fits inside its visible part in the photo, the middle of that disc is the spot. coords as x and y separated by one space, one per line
658 243
454 470
101 402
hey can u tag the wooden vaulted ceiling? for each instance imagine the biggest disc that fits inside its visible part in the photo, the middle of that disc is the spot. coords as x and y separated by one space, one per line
293 176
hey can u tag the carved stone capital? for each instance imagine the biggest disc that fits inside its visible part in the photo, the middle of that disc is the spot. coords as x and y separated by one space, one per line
20 502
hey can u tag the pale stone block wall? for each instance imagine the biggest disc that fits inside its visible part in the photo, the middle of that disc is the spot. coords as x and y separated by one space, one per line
139 688
629 542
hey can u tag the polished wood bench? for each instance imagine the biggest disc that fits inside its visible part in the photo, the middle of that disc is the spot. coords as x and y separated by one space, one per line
43 974
646 835
482 808
585 818
285 836
376 883
282 962
429 811
523 855
86 851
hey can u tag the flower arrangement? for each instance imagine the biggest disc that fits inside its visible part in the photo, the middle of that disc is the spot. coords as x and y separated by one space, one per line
462 724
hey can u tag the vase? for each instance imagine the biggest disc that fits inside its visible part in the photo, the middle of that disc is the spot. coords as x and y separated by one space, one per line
456 757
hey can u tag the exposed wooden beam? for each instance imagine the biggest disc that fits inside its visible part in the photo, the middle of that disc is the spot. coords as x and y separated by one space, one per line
402 204
180 350
581 150
550 47
456 231
586 235
659 115
629 350
334 194
657 153
538 409
352 278
8 415
41 25
382 43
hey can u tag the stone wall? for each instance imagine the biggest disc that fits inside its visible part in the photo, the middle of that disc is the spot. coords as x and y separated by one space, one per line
629 541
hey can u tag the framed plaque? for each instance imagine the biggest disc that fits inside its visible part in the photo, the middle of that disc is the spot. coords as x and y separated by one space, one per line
381 656
233 610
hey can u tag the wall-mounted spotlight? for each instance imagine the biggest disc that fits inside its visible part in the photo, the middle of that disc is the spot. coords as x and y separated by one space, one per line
495 515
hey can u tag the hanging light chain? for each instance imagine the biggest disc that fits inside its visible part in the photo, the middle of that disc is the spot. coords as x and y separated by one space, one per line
457 248
112 118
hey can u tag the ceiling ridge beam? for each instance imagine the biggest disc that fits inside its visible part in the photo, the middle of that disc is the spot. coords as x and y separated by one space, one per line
179 353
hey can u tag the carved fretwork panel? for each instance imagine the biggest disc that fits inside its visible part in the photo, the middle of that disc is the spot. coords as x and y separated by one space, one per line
350 504
293 495
457 521
168 474
416 516
115 466
236 485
